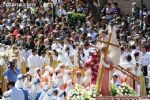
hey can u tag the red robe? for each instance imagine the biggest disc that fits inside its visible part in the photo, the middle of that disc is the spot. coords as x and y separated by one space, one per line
93 64
105 81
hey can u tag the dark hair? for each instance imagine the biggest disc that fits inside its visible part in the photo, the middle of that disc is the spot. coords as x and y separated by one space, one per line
67 48
55 92
116 4
145 46
129 58
133 47
11 83
136 54
122 48
33 50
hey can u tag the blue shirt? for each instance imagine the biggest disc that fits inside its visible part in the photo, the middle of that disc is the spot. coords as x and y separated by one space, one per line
16 94
11 74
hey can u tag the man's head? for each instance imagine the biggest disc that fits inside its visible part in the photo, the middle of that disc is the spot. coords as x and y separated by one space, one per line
144 49
115 77
102 33
13 62
34 51
134 4
10 84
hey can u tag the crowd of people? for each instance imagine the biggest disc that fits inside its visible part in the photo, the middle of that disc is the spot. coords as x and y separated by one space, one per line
42 56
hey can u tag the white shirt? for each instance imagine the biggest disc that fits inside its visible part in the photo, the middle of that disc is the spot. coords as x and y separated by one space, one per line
61 12
56 46
145 59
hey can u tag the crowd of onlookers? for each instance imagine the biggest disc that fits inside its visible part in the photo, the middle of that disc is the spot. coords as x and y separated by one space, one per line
37 33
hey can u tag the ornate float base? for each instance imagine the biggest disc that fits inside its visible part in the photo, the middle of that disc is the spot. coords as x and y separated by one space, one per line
122 98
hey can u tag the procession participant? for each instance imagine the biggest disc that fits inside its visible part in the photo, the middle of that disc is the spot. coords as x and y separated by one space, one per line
138 70
103 36
83 55
56 72
11 73
48 95
48 58
124 53
6 96
93 63
15 94
42 59
67 76
21 63
69 86
115 80
47 75
35 89
19 83
12 51
59 80
130 66
29 46
68 57
54 55
145 61
33 60
78 78
87 81
62 68
67 45
61 95
43 94
55 95
38 74
108 64
28 81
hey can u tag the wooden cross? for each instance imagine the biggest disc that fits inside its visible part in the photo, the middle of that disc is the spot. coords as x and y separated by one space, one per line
101 70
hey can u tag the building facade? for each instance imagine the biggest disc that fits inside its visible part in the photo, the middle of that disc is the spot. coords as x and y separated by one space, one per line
126 5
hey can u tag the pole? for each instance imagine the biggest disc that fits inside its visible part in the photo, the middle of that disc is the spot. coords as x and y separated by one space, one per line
142 4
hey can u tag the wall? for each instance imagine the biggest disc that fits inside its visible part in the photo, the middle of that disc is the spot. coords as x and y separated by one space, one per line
125 5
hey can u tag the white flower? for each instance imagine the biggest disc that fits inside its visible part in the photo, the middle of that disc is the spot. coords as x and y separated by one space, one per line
94 95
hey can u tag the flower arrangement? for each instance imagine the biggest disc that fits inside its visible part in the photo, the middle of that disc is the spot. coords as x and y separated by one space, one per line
123 90
81 93
73 18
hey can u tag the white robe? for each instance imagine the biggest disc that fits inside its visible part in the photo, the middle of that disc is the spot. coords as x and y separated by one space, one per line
68 60
47 97
69 87
43 94
33 62
27 85
66 77
19 84
33 91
